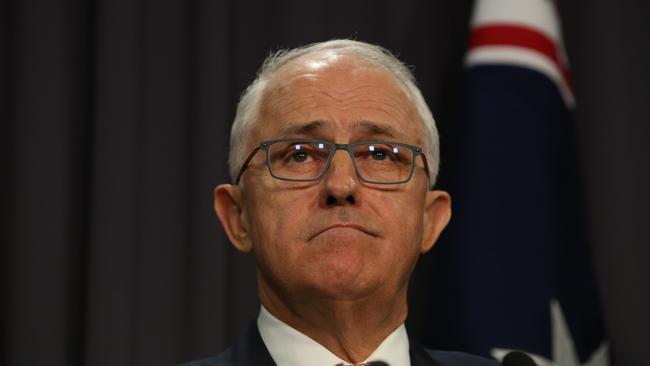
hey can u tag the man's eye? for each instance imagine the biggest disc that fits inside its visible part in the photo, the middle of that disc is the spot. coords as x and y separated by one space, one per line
299 156
378 155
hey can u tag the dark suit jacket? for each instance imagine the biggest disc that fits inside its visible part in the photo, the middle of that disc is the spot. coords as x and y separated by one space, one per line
249 349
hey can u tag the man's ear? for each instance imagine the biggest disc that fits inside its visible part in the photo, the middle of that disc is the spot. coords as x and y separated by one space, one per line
229 206
437 212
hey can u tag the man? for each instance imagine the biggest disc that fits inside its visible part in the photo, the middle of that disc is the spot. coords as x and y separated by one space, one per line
334 154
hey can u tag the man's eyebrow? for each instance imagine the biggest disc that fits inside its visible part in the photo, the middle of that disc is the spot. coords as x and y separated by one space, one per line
288 129
376 129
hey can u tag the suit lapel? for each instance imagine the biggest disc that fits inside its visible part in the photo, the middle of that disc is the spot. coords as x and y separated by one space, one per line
419 356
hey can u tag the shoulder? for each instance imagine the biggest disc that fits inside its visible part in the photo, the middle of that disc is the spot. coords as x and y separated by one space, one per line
421 356
448 358
248 349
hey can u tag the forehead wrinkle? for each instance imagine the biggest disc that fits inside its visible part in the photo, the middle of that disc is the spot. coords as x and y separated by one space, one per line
299 128
368 126
288 105
375 128
346 103
395 107
350 92
346 91
394 99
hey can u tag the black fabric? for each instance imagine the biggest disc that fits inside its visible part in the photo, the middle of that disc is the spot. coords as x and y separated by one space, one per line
114 124
249 349
421 356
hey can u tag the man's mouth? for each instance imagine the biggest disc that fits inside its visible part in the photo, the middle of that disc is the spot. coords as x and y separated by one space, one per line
353 226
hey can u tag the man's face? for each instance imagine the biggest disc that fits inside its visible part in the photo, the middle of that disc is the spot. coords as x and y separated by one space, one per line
338 238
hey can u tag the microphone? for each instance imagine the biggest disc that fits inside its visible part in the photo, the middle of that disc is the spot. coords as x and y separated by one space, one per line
516 358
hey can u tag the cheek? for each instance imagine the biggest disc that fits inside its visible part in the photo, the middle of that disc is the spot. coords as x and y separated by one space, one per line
277 224
400 218
404 227
401 224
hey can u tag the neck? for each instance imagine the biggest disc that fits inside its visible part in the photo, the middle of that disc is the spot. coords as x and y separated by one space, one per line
351 329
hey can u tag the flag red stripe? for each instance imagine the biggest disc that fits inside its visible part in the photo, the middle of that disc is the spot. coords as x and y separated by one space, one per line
519 36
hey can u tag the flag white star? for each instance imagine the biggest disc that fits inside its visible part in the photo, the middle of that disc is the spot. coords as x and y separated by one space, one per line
564 351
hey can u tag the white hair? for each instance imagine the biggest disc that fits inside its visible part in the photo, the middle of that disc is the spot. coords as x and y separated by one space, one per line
251 99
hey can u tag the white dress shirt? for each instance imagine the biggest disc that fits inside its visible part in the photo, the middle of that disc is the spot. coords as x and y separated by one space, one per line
289 347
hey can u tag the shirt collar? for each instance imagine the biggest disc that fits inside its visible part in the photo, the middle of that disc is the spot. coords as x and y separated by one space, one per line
289 347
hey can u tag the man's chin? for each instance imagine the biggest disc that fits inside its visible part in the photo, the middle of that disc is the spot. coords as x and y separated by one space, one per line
343 293
343 267
344 284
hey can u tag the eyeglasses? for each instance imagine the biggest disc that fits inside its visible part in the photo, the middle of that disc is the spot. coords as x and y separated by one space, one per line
306 160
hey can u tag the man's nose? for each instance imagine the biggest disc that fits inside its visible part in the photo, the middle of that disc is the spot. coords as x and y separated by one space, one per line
340 181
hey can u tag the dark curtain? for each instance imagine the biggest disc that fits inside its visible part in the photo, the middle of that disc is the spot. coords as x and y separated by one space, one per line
115 121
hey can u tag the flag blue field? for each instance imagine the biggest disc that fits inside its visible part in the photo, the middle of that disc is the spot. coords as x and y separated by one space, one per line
518 271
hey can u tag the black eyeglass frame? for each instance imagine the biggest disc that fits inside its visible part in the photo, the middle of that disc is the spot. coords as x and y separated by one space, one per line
265 145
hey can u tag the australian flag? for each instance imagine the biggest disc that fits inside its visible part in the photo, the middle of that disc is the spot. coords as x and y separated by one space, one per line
518 257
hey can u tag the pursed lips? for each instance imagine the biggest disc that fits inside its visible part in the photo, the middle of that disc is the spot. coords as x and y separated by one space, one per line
347 226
